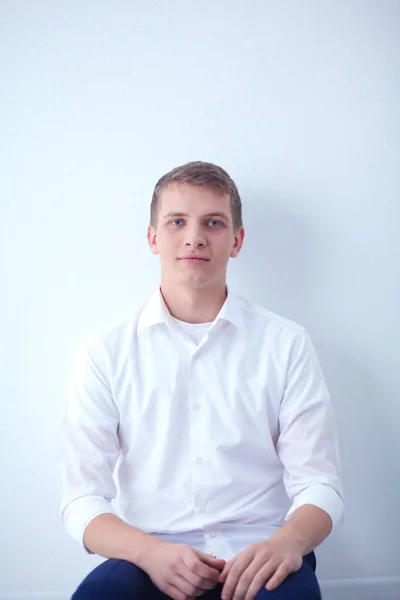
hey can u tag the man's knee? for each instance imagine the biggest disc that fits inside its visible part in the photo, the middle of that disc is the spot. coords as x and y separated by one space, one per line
87 590
115 580
93 590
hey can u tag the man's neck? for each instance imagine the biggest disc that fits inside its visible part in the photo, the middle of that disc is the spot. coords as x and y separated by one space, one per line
194 305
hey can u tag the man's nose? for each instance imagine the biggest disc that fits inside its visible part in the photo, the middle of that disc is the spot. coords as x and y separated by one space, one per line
195 238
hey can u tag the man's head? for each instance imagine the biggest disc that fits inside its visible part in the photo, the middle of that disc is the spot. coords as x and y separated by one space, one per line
195 223
203 175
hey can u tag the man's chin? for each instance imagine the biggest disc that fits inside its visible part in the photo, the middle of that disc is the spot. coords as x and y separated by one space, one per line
195 282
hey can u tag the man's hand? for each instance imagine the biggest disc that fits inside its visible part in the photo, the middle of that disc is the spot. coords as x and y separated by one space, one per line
180 571
265 563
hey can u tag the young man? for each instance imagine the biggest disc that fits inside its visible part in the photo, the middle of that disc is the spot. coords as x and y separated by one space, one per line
211 418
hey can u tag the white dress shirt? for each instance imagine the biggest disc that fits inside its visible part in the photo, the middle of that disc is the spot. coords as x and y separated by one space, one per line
213 444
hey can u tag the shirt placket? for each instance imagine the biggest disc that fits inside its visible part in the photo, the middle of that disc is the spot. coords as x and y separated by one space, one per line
199 452
201 449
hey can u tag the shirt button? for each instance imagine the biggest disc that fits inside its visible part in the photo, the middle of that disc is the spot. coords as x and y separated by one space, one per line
197 406
213 534
200 461
203 510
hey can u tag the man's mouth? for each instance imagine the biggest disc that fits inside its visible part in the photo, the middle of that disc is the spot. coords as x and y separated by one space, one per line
194 260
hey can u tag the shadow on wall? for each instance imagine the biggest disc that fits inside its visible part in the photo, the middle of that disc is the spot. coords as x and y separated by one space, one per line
288 275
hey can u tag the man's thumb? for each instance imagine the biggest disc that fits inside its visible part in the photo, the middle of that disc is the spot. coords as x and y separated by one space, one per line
216 563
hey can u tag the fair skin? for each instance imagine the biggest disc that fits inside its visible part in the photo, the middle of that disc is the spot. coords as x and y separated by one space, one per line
194 222
269 562
178 570
194 237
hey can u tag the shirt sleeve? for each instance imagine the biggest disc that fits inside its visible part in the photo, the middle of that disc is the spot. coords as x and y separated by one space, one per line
307 443
90 445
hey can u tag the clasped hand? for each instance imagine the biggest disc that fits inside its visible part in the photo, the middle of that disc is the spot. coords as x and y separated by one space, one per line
265 563
184 573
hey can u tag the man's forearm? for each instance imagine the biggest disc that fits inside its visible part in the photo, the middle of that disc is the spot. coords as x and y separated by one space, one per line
307 528
109 536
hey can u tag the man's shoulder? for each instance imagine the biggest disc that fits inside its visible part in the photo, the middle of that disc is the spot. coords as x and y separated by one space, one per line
114 332
263 319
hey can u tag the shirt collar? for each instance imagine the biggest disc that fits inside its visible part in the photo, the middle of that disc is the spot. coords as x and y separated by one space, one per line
156 312
232 311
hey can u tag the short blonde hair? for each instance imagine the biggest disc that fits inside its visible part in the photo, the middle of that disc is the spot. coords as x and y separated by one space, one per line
201 174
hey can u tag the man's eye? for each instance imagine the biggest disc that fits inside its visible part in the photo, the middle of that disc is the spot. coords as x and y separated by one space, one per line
176 222
214 223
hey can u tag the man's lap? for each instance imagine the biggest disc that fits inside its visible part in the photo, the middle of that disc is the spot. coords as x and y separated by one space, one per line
121 580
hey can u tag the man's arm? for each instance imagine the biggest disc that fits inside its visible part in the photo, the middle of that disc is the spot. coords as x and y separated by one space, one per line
178 570
90 444
307 447
90 451
306 529
109 536
269 562
307 443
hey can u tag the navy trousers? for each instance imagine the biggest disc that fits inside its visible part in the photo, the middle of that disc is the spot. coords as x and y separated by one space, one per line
121 580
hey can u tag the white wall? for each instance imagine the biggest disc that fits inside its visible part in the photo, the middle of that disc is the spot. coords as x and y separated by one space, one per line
299 101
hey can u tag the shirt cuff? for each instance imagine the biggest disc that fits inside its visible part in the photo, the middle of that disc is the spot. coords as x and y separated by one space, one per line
78 514
322 496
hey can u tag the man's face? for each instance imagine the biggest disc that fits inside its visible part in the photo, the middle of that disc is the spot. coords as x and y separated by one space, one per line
194 235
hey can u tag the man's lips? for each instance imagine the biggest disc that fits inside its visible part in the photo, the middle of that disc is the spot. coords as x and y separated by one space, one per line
194 260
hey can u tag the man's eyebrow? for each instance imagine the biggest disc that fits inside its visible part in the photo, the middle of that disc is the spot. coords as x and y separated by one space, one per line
217 214
208 215
175 214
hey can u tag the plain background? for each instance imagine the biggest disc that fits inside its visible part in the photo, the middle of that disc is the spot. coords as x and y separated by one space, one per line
300 102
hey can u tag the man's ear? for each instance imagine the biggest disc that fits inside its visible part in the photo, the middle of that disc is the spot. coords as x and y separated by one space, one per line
238 242
152 239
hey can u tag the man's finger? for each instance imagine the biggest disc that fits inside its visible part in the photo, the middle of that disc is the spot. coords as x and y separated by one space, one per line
278 577
182 584
245 581
235 573
193 577
175 593
197 565
216 563
261 575
225 571
253 579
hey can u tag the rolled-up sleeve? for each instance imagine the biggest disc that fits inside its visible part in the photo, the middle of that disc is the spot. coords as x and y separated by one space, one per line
307 443
90 446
